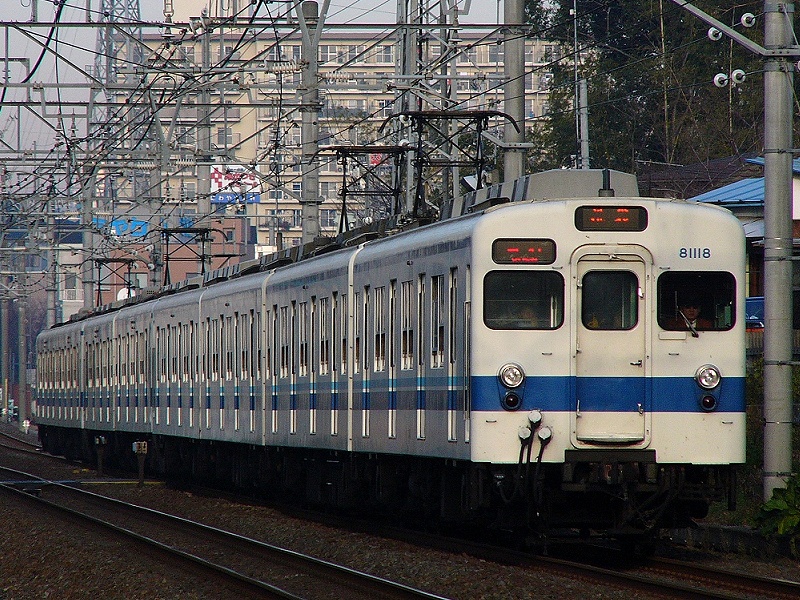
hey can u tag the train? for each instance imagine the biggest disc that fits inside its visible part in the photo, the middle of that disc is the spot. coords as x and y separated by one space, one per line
523 366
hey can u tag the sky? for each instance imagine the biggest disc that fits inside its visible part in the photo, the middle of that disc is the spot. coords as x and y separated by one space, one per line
76 49
372 11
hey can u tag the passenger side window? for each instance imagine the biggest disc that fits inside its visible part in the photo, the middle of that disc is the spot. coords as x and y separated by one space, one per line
523 300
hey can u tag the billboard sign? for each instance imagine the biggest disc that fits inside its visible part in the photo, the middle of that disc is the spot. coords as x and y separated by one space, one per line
235 184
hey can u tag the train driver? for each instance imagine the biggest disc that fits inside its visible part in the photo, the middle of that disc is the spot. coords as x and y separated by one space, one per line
688 317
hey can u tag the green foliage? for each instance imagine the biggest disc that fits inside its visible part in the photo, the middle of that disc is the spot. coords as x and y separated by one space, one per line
781 514
538 14
776 517
651 96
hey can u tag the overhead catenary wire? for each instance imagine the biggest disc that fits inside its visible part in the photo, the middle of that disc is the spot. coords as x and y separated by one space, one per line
187 86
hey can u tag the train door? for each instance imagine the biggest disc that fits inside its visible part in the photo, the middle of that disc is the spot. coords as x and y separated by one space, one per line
610 354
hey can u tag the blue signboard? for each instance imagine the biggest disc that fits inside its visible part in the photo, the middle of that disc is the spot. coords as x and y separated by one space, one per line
235 198
130 227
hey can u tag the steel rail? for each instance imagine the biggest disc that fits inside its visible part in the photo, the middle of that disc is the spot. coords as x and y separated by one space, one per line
316 568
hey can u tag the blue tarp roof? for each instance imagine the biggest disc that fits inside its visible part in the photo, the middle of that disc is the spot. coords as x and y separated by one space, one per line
745 191
742 192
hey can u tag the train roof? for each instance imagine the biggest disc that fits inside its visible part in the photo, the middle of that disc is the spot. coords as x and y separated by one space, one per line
323 245
557 184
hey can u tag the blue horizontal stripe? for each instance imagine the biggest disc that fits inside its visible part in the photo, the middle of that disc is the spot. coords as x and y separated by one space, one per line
601 394
672 394
609 394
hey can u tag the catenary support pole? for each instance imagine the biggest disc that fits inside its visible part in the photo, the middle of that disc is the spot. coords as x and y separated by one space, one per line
778 83
778 53
22 359
583 110
311 23
514 98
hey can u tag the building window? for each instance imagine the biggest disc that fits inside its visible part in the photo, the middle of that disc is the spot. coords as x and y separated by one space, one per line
328 53
470 55
385 108
328 189
385 54
327 218
224 137
188 190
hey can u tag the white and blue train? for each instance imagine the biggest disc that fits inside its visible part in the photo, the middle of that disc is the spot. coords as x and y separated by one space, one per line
530 364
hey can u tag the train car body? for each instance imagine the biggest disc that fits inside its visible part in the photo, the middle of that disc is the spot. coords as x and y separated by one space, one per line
527 365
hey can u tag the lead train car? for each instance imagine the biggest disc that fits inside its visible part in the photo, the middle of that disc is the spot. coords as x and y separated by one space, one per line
525 365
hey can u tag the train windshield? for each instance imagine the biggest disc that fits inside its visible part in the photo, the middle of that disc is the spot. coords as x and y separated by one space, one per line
523 300
696 301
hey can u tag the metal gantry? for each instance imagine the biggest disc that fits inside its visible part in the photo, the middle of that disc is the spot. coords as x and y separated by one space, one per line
120 144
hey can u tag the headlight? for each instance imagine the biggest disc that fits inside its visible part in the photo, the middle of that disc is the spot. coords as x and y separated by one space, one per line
707 377
511 375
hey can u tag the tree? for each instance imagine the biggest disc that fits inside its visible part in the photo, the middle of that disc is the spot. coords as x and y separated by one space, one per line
650 69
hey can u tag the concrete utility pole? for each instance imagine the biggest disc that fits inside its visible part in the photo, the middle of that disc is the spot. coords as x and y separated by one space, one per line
778 84
514 98
89 239
311 23
204 146
22 359
409 11
583 113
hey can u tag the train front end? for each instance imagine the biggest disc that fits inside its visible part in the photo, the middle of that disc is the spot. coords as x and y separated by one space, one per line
607 359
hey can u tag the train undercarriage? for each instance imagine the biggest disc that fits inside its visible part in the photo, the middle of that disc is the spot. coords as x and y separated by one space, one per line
622 495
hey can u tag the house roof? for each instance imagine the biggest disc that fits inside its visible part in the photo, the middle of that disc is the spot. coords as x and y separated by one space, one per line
759 160
747 191
685 181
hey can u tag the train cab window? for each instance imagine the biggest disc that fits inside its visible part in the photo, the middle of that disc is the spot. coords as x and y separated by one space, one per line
523 300
696 301
609 300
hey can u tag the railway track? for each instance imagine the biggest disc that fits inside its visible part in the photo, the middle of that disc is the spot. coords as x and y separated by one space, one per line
648 578
724 581
14 442
240 563
652 577
676 579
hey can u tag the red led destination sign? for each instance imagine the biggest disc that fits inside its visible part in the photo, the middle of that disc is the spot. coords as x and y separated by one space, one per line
611 218
524 252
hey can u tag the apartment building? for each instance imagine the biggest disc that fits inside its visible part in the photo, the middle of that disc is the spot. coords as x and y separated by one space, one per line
229 107
252 106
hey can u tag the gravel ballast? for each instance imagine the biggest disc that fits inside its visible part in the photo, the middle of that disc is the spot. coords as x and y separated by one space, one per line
42 557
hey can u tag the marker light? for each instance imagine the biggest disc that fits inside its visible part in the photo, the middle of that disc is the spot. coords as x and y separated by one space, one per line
708 403
511 375
511 401
708 377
